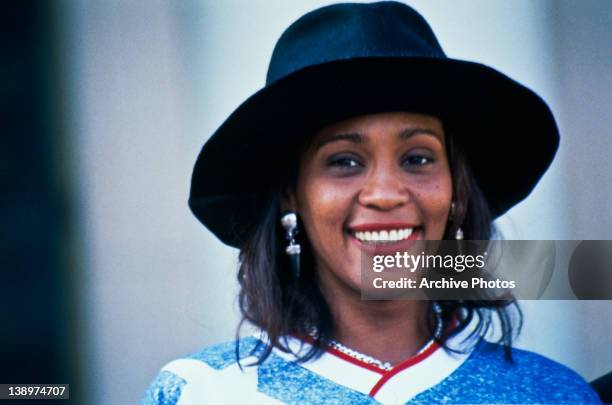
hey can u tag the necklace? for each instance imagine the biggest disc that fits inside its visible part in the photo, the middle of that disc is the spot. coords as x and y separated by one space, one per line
364 357
359 356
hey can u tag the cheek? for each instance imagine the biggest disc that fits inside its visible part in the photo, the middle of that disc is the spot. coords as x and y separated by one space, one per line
323 206
435 199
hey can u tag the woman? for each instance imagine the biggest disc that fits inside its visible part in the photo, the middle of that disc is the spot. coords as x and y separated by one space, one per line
365 137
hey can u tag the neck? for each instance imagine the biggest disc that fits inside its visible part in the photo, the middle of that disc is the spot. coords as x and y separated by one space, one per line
390 331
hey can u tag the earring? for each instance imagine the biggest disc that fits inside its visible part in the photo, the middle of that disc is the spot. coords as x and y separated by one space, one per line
293 249
451 214
459 234
437 309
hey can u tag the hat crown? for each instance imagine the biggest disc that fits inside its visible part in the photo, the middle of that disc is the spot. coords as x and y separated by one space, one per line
352 30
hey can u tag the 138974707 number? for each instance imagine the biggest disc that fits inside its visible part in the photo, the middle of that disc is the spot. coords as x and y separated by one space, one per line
34 391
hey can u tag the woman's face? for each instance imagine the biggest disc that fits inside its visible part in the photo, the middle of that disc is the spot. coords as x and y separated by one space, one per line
381 176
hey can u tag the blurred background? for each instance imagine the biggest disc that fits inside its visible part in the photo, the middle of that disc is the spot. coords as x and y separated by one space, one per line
105 105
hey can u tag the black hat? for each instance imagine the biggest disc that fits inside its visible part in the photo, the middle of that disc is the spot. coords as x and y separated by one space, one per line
350 59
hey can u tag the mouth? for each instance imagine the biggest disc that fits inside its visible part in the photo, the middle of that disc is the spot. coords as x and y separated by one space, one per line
383 236
394 236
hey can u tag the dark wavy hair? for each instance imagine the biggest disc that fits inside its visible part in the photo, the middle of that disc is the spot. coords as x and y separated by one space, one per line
273 300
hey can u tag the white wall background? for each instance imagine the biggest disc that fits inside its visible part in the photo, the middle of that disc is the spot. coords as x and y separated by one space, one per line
149 81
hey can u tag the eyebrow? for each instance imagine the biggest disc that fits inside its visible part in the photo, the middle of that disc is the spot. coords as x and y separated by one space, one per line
409 132
351 137
358 138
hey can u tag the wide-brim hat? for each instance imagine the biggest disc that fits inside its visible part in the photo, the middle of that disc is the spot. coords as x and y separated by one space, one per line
347 60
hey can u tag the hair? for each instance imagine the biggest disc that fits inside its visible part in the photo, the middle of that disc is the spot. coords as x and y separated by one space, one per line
273 300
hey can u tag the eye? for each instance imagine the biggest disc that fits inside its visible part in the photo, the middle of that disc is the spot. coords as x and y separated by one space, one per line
344 162
417 160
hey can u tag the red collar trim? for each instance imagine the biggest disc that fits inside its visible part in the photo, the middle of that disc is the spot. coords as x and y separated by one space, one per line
386 375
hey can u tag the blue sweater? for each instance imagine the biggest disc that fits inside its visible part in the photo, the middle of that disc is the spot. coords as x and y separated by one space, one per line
483 376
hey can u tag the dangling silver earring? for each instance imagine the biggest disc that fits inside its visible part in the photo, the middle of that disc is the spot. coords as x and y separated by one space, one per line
451 214
437 309
459 234
293 249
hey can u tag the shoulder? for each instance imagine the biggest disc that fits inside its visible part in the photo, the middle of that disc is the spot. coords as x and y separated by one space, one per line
204 376
529 366
223 355
529 377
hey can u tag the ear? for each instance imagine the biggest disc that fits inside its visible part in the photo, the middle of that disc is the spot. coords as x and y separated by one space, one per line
288 201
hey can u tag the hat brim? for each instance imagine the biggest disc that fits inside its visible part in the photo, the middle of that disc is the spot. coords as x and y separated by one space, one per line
507 131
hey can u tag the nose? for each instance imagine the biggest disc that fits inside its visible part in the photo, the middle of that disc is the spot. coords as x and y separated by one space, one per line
383 189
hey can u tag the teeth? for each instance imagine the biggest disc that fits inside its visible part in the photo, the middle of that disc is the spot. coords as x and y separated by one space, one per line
392 235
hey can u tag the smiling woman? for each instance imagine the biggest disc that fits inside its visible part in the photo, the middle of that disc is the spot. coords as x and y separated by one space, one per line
410 154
